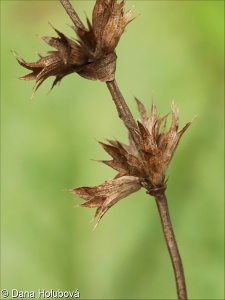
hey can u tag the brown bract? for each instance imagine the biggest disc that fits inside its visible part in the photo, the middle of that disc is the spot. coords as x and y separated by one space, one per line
107 194
143 167
92 55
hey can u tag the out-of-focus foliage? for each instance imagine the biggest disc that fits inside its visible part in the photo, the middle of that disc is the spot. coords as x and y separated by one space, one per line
172 51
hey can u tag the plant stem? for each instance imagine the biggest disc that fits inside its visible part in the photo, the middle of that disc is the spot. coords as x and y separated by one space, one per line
72 14
161 202
160 197
126 116
123 110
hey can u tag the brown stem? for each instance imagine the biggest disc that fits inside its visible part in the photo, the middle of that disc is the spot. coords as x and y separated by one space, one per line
161 202
123 110
126 116
160 197
72 14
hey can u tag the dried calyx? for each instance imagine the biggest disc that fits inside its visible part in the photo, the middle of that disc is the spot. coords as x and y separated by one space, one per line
144 161
143 167
92 55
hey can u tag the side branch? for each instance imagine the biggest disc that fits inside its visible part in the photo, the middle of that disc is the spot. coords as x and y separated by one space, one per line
161 202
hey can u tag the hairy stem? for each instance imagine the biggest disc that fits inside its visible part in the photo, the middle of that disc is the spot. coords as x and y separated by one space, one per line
161 202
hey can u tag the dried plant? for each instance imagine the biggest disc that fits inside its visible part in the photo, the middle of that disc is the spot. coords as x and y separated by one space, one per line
142 163
143 167
92 55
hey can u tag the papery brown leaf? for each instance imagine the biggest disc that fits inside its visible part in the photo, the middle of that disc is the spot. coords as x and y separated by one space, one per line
102 69
142 110
107 194
68 59
142 167
157 146
92 55
118 163
87 40
123 161
147 139
109 22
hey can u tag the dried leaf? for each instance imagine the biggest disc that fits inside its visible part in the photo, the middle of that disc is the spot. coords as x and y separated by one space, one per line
92 56
145 167
107 194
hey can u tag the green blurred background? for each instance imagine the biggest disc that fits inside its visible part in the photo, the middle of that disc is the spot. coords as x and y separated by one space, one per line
173 51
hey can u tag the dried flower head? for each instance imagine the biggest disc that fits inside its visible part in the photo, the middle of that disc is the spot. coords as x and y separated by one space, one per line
143 167
92 55
107 194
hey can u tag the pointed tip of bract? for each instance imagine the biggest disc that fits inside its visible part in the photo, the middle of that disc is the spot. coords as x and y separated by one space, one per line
75 206
153 114
32 96
96 225
69 190
186 126
196 117
16 55
175 117
174 108
46 39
